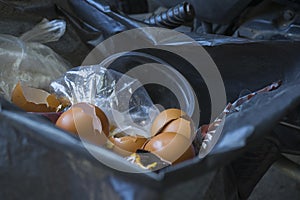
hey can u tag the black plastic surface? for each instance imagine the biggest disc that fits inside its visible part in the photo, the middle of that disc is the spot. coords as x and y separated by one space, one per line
39 161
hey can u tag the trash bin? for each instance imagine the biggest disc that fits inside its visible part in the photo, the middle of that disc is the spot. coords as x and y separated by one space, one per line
40 161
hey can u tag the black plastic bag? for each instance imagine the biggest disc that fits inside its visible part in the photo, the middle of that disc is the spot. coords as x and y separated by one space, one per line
39 161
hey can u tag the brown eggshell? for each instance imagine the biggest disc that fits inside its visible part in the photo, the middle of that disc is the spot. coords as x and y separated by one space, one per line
127 145
104 120
181 126
188 154
66 119
87 121
34 100
171 147
164 118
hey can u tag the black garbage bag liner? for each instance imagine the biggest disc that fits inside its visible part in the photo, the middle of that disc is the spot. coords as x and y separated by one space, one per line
39 161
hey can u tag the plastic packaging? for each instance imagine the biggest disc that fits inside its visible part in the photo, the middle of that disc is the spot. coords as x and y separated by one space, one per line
25 59
162 70
212 132
123 99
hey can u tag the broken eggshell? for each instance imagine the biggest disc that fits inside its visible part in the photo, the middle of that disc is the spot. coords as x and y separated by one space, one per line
125 145
173 120
171 147
164 118
34 100
87 121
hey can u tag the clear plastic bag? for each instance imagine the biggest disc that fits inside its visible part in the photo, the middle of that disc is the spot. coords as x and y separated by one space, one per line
123 99
212 132
26 60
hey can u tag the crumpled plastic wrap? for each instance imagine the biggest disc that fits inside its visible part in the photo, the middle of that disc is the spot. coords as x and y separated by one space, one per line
210 134
27 60
122 98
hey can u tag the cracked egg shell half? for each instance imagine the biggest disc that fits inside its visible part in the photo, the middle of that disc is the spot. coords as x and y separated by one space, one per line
171 147
34 100
125 145
173 120
87 121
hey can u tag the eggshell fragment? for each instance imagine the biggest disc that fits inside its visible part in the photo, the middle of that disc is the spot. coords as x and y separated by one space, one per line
181 126
87 121
126 145
174 120
164 118
171 147
34 100
66 120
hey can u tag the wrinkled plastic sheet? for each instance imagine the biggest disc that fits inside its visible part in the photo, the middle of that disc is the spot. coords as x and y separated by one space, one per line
109 90
28 60
39 161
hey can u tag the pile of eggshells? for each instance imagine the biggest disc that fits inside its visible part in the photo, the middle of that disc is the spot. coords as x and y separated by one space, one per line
170 137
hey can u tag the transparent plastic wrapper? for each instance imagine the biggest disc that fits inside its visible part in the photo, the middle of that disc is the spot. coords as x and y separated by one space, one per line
27 60
210 134
123 99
